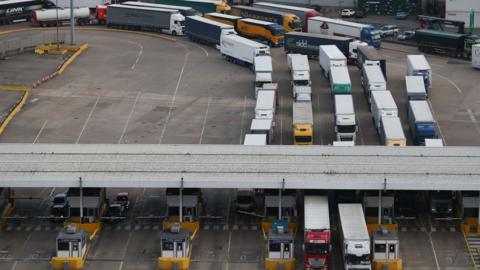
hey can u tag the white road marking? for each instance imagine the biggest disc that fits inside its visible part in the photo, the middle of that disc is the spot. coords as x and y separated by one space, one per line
138 56
438 123
242 119
472 116
228 249
129 117
88 119
121 266
450 81
33 100
433 249
14 265
281 121
205 120
172 103
198 46
40 131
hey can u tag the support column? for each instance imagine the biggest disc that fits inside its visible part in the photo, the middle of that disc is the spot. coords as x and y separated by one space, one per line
379 207
181 201
72 24
280 199
81 200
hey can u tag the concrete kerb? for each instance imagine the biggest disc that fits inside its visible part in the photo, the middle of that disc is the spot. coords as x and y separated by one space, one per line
14 111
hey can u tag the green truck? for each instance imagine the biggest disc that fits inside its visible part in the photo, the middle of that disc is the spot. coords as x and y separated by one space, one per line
453 44
202 6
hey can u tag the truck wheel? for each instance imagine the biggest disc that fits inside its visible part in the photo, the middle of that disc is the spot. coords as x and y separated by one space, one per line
174 33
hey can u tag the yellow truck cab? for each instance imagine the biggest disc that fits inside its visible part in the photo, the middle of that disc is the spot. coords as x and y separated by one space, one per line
273 33
302 123
222 7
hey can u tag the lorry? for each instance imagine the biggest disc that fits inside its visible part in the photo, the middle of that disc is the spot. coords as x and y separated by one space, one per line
245 200
354 237
289 21
368 54
21 10
202 6
265 107
372 79
415 88
262 66
330 56
382 105
240 50
453 44
442 202
146 18
336 27
302 123
206 31
421 121
302 12
300 77
223 18
262 127
269 32
48 17
391 132
184 10
345 120
255 139
317 243
417 65
340 80
476 56
308 43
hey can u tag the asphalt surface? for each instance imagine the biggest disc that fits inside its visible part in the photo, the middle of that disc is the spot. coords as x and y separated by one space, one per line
128 88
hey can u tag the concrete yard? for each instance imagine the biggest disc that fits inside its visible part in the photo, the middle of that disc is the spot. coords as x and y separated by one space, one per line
129 88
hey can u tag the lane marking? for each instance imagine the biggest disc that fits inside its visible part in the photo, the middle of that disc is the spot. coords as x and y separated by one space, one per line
172 102
228 249
472 116
437 122
88 119
140 52
121 266
450 81
14 265
433 249
242 119
198 46
205 120
40 131
129 117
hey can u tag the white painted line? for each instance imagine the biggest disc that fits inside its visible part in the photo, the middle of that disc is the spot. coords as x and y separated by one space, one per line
281 121
198 46
172 102
14 265
138 56
121 266
129 117
242 119
472 116
438 123
88 119
228 249
433 249
40 131
205 120
451 82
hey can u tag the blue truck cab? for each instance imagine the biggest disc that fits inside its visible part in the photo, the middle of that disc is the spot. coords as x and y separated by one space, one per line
371 36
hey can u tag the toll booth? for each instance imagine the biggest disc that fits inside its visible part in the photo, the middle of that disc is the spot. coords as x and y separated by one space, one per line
379 210
288 204
386 247
470 207
191 205
280 252
72 245
93 202
175 248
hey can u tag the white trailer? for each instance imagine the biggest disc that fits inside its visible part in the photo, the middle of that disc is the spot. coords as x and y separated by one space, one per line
383 105
476 56
330 56
415 88
265 107
241 50
300 72
354 236
417 65
82 3
47 17
317 217
263 71
255 139
372 80
391 132
263 127
337 27
345 120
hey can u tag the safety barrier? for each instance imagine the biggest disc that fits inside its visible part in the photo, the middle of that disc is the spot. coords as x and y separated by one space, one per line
276 264
388 264
174 263
470 252
71 263
192 227
375 227
14 111
22 44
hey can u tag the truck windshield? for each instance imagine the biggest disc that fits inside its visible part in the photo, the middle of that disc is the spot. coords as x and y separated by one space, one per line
355 260
303 139
375 35
302 82
276 30
346 129
244 199
317 248
295 24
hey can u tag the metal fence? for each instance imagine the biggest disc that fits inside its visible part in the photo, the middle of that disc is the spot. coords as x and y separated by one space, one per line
21 44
